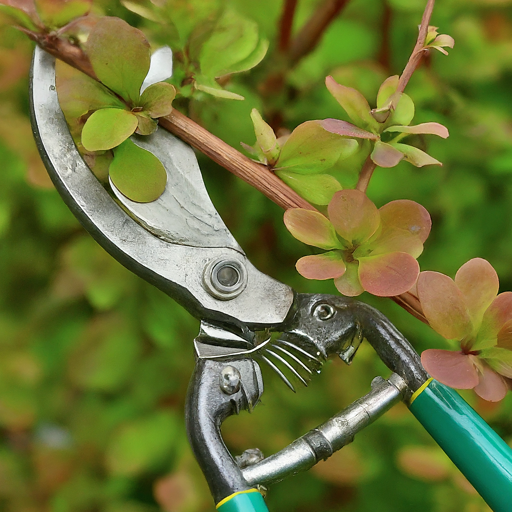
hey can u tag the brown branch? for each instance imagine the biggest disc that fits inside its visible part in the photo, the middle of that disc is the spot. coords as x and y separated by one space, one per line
190 132
311 33
418 51
366 174
286 25
257 175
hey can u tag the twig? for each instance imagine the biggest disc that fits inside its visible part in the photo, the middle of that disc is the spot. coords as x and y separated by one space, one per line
286 25
366 174
311 33
418 52
257 175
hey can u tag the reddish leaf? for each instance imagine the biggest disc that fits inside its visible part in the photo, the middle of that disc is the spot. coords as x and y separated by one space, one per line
348 284
388 274
478 282
353 102
492 387
407 215
385 155
423 128
443 305
353 215
321 266
311 228
453 369
346 129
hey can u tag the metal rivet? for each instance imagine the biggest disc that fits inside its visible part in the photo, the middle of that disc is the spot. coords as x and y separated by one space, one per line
229 380
225 279
324 312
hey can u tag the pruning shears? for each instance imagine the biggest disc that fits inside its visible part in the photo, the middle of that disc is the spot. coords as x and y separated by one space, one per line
180 244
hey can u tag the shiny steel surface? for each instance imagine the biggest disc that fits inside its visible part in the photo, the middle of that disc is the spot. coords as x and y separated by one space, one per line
169 250
322 442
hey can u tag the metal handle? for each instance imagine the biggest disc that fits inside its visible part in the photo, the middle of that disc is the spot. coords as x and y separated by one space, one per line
321 442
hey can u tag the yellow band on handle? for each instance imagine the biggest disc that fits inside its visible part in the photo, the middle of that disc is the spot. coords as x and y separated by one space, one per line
225 500
420 390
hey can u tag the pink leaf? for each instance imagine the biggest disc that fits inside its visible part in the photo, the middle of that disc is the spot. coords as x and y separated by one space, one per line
385 155
492 387
353 102
321 266
423 128
478 282
453 369
443 305
348 284
353 215
311 228
346 129
407 215
388 274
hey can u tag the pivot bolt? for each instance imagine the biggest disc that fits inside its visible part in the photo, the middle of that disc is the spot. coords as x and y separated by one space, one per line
230 380
225 279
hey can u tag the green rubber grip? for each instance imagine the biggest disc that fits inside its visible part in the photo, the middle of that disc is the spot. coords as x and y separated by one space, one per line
245 501
481 455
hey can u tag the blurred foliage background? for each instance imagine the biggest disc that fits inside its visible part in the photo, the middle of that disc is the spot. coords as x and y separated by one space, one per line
94 363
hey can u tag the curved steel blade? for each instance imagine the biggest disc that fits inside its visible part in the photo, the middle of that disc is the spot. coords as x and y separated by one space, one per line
170 257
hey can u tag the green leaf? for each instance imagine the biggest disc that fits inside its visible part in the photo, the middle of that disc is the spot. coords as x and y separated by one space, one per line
57 13
157 99
499 359
137 173
233 40
21 16
312 149
423 128
316 189
107 128
144 9
311 228
211 87
140 445
120 56
80 94
146 125
253 59
265 137
404 111
354 104
415 156
386 155
386 90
